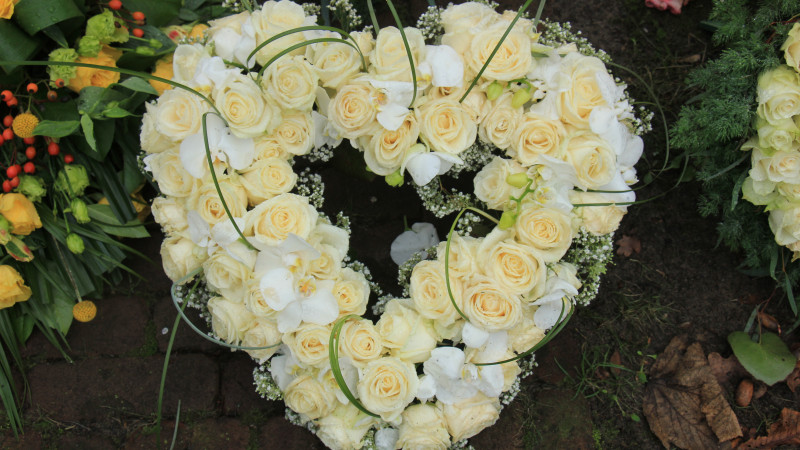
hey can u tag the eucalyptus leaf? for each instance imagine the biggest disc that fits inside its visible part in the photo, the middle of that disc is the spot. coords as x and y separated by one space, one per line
769 360
56 128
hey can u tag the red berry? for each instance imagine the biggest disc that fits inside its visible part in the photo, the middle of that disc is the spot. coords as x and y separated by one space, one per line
29 140
6 186
14 182
53 149
32 88
2 139
60 82
138 32
12 102
8 120
116 5
138 15
6 95
52 96
8 134
69 158
29 167
30 152
12 171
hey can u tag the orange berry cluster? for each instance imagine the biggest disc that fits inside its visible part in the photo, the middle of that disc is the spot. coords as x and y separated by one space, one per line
137 17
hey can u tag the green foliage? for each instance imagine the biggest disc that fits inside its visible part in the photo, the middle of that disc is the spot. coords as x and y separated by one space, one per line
713 126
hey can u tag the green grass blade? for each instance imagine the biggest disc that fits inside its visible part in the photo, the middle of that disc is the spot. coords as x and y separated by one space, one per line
309 28
408 51
372 17
333 357
301 45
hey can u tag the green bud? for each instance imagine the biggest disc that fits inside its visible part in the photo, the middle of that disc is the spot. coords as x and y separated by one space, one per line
101 26
494 90
18 250
72 180
75 243
395 179
518 180
155 43
66 73
143 50
507 220
32 187
520 98
79 210
89 46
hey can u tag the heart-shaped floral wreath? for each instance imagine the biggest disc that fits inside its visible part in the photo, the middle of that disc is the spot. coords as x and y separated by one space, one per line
551 134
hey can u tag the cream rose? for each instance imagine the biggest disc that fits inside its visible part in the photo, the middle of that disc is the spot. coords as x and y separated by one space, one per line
593 159
295 133
272 221
598 220
534 136
526 334
309 398
385 150
512 60
179 114
781 136
490 183
791 48
170 213
150 139
292 83
254 301
360 340
469 417
227 276
462 262
180 256
589 83
445 126
309 344
173 180
785 224
229 320
352 292
405 333
328 265
516 268
269 147
352 111
337 63
500 124
428 290
461 21
547 230
205 200
277 17
185 59
267 178
423 426
344 428
775 167
387 385
778 94
389 58
262 333
490 306
248 112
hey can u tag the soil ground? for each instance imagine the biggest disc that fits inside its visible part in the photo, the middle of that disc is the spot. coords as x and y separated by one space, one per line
680 283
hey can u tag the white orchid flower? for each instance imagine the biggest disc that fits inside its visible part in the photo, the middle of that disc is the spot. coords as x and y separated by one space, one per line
392 102
443 66
562 285
209 72
220 235
295 297
236 46
451 379
236 152
424 165
284 367
419 238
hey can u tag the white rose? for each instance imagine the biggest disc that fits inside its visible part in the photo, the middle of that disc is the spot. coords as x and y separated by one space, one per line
405 333
428 290
500 124
548 230
262 333
389 58
461 21
150 139
294 134
781 136
775 167
247 111
180 114
593 159
462 261
490 183
778 94
536 135
227 276
309 344
206 201
180 256
525 335
269 147
469 417
272 221
185 59
360 340
587 89
229 320
385 150
490 306
352 111
277 17
328 265
267 178
338 63
170 213
791 48
511 61
446 126
386 386
292 83
423 426
351 292
309 398
173 180
344 428
598 220
255 303
785 224
516 268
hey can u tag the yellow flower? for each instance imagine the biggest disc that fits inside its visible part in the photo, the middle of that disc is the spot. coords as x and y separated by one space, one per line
84 311
7 8
24 124
198 31
20 212
85 76
12 287
164 70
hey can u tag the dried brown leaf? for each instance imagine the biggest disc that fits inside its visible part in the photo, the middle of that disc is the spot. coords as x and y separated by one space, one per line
793 380
726 370
769 322
628 245
683 401
786 431
617 361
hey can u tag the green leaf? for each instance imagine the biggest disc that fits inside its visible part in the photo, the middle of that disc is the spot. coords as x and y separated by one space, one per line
15 44
36 15
88 131
158 12
139 85
55 33
115 112
56 128
61 111
62 312
769 361
107 221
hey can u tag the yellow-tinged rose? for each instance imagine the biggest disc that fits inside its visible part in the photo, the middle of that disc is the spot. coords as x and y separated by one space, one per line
173 180
292 83
262 333
272 221
295 133
423 426
255 303
248 112
170 213
534 136
205 200
163 69
345 427
12 287
150 139
468 417
352 111
598 220
86 76
18 210
791 47
309 398
778 94
526 334
309 344
594 160
462 262
360 341
446 126
461 21
179 114
337 63
387 385
329 263
390 58
277 17
180 256
7 8
227 275
785 224
489 306
185 60
516 268
267 178
511 61
351 291
490 183
269 147
405 333
588 82
428 290
229 320
501 121
548 230
385 150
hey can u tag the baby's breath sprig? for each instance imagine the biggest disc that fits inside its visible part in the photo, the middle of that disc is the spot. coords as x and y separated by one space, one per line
442 203
312 9
591 254
310 185
430 24
379 306
321 154
405 269
346 14
358 266
265 384
475 157
466 224
556 34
